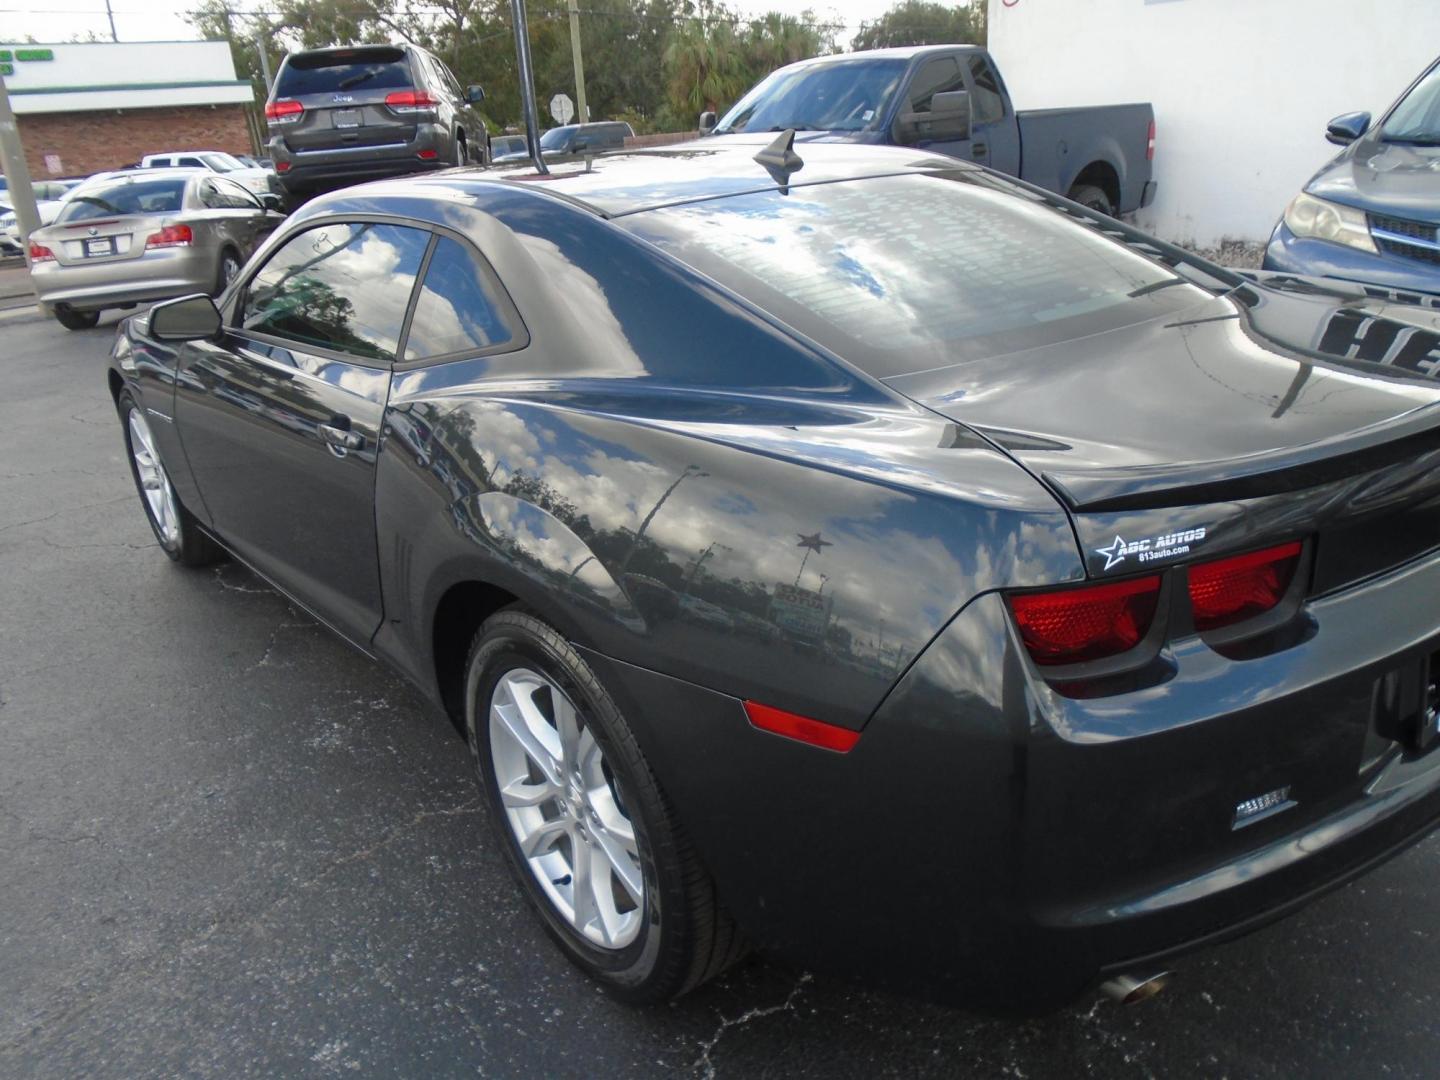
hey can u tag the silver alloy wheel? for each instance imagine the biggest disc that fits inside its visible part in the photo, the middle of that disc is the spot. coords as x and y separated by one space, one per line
229 267
560 801
154 484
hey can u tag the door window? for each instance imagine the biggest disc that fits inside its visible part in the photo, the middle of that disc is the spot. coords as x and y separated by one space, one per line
191 163
459 310
938 76
341 286
987 103
234 196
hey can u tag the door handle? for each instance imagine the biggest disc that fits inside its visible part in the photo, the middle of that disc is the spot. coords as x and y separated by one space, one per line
341 438
980 149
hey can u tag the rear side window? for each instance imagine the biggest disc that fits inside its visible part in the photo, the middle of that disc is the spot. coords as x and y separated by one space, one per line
348 69
159 196
459 310
343 287
988 104
938 76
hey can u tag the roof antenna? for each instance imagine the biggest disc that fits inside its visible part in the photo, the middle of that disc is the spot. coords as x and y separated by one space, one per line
780 159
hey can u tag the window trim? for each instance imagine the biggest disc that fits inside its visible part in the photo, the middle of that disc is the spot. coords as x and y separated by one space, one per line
505 307
234 325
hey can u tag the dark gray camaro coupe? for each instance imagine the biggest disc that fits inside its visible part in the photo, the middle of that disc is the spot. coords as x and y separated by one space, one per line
871 557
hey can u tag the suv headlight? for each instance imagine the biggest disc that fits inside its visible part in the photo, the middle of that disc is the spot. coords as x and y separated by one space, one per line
1308 216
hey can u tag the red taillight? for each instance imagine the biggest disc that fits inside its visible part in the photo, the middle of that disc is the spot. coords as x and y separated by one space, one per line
170 236
411 100
282 166
428 155
1232 590
284 112
801 728
39 253
1075 625
1150 143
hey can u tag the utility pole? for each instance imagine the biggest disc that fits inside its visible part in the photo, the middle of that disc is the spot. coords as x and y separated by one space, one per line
113 36
580 108
264 62
527 84
12 160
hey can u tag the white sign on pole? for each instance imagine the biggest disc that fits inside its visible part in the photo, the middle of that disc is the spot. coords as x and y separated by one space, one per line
562 108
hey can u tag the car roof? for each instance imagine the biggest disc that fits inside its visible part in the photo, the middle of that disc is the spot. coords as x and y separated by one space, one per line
625 182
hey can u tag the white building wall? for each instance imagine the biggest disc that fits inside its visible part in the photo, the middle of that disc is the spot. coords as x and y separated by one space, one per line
126 64
1242 89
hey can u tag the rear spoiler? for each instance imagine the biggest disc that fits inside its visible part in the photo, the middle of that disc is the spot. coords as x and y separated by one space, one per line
1406 438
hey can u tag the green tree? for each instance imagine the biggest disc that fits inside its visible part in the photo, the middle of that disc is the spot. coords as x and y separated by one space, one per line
921 22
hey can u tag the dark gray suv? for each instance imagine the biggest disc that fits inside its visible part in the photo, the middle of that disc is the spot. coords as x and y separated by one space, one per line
338 116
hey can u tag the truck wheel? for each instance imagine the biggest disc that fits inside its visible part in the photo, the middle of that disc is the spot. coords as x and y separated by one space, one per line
1093 197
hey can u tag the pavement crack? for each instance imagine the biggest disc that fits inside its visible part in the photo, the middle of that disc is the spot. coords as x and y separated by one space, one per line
706 1063
264 660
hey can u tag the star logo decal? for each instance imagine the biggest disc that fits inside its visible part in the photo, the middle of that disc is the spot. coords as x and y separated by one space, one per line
1115 553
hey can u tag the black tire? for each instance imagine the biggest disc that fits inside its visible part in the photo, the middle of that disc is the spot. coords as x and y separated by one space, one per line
685 935
227 271
1093 197
189 545
460 155
71 319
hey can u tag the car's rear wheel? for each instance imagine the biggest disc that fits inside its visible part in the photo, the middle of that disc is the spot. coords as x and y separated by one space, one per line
71 319
228 270
459 150
176 530
582 820
1093 197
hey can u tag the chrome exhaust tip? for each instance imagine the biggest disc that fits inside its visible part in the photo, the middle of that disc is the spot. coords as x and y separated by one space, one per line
1129 989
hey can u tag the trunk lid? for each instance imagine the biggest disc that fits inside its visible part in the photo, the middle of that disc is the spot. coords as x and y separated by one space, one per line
1194 435
104 240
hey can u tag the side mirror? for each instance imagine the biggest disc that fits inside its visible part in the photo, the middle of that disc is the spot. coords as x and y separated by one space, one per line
581 145
708 120
474 95
190 318
270 201
947 121
1344 130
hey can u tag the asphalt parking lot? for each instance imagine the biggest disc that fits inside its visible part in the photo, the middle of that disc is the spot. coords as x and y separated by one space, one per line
231 846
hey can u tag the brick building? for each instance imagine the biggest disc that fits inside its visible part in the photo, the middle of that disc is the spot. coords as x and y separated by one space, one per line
82 108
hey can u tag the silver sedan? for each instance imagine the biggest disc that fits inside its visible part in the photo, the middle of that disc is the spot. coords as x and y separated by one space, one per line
146 236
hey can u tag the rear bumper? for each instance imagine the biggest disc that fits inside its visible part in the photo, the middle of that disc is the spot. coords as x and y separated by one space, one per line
990 842
155 275
1147 193
307 170
1319 258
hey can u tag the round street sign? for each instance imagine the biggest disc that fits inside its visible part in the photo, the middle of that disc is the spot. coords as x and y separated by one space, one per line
562 108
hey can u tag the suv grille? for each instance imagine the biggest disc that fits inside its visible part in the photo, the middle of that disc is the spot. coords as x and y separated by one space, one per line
1407 239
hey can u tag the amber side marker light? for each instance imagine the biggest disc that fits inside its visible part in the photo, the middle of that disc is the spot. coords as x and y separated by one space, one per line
1071 626
800 728
1232 590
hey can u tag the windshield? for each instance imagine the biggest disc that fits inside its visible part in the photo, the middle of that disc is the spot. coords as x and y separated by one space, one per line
838 95
510 144
906 273
129 197
1416 119
222 162
556 138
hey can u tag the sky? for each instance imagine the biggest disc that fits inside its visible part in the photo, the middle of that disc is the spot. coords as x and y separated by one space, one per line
161 20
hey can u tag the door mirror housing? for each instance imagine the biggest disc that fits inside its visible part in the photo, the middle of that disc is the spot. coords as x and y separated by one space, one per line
947 121
270 201
474 95
708 120
190 318
1344 130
